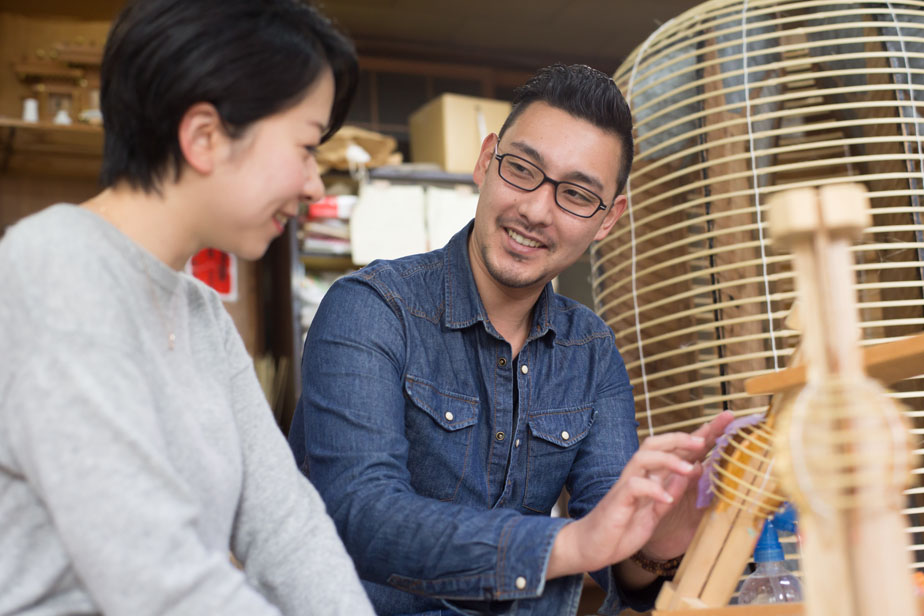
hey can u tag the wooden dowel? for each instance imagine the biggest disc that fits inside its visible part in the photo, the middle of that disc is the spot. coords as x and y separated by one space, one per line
889 363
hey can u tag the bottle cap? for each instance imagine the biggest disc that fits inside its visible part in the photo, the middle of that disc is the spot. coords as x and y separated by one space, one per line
768 547
786 519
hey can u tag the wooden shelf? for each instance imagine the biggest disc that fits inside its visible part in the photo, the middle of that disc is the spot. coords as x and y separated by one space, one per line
48 127
47 70
53 149
323 262
419 174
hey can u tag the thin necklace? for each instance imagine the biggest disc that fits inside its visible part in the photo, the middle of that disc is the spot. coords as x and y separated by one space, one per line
168 324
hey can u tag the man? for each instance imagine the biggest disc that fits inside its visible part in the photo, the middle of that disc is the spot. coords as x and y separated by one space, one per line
450 396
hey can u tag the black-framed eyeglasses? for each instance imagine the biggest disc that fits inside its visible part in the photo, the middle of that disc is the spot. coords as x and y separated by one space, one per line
571 197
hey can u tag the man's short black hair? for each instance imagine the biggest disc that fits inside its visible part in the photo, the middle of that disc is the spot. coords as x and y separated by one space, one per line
248 58
585 93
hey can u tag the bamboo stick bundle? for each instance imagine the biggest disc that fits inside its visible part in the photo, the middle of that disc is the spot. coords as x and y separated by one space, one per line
744 493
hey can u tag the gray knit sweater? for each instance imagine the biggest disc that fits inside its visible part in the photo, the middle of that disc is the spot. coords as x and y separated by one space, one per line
129 471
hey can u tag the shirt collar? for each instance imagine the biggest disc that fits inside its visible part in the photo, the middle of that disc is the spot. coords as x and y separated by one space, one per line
461 298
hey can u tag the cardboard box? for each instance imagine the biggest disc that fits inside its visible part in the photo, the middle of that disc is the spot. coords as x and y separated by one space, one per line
449 130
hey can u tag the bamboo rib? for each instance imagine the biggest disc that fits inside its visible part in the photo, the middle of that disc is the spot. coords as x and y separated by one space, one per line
616 269
711 364
672 247
781 334
773 115
705 253
698 220
689 277
781 276
766 191
764 133
695 42
770 190
706 381
769 82
705 327
705 401
797 147
699 311
685 206
710 345
754 12
758 388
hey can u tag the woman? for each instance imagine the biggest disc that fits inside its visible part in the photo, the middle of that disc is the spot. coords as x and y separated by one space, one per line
136 447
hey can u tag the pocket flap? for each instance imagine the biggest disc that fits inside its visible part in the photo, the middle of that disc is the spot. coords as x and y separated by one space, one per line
450 410
564 427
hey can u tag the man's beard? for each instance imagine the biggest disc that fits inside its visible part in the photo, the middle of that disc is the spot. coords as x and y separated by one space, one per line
504 278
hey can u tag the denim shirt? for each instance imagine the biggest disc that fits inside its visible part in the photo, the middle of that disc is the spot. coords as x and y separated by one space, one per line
439 484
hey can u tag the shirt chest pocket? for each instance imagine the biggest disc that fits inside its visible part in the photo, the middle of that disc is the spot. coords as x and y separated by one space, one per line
439 427
554 441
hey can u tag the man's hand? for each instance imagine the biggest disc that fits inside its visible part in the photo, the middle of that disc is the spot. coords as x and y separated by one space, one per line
659 478
677 527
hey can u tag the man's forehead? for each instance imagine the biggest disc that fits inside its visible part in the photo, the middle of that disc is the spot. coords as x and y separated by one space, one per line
543 132
538 120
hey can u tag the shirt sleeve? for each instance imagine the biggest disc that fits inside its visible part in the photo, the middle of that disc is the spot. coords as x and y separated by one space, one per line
282 534
84 433
349 435
599 463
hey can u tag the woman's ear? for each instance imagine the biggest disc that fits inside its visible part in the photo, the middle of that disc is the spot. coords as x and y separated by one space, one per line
202 137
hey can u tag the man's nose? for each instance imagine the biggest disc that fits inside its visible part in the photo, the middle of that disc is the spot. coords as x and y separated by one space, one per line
538 206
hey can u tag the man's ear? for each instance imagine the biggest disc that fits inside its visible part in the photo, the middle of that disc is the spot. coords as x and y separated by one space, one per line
612 215
484 159
202 137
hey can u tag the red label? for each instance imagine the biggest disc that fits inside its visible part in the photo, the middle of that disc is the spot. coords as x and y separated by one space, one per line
214 268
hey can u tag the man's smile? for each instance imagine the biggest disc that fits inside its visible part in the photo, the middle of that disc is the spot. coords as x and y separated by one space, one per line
522 239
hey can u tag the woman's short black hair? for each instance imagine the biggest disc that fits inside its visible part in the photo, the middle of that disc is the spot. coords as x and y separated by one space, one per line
248 58
585 93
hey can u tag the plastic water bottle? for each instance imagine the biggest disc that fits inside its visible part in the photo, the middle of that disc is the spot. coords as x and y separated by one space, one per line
772 582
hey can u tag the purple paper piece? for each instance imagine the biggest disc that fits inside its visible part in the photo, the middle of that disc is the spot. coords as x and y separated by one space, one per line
704 488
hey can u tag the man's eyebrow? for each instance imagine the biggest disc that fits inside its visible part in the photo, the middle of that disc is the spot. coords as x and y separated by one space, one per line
577 177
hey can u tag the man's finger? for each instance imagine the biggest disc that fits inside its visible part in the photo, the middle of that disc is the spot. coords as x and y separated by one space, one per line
641 488
656 464
715 427
673 441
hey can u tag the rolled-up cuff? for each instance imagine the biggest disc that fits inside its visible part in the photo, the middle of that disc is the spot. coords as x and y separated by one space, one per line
523 550
618 598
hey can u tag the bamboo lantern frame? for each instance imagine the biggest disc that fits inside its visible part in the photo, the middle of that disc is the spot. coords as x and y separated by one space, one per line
734 101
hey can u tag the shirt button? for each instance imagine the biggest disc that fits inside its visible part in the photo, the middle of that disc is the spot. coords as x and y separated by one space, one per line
516 443
502 362
521 582
565 436
448 416
500 436
524 369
